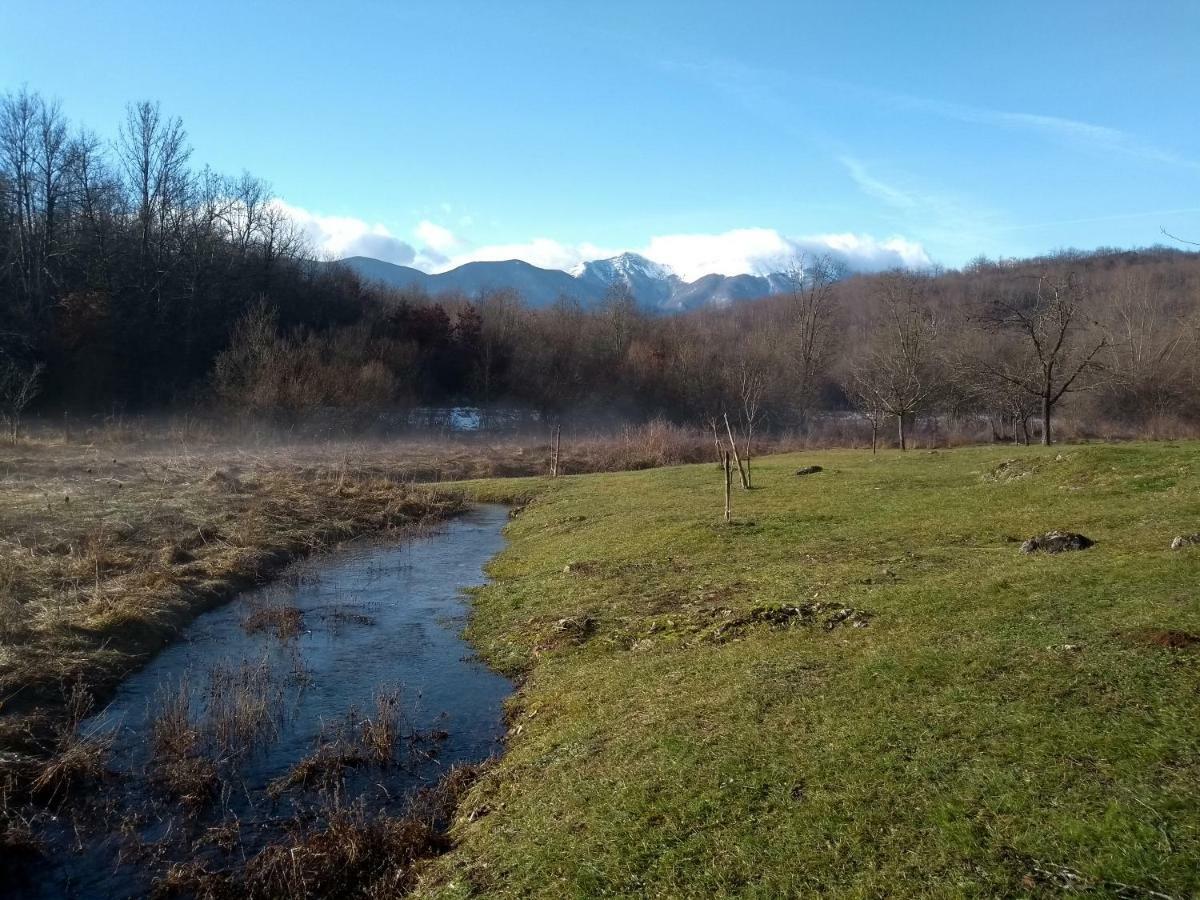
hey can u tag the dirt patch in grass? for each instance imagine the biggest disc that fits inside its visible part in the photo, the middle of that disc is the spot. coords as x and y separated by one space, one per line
1167 639
720 625
1012 470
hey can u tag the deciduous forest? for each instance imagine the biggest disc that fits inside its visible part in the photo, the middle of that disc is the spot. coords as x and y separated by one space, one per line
133 279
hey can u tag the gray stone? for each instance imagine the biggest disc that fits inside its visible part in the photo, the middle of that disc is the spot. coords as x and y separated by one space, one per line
1056 542
1185 540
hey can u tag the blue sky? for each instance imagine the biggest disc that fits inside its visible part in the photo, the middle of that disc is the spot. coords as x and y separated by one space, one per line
713 136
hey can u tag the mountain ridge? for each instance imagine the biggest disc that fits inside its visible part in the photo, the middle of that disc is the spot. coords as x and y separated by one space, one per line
654 287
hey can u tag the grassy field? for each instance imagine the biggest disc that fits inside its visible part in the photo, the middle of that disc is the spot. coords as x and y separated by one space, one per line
694 719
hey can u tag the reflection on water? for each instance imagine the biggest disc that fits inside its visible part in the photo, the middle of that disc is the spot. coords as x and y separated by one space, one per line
265 679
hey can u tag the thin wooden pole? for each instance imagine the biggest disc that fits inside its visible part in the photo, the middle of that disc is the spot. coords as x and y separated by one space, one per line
728 484
737 459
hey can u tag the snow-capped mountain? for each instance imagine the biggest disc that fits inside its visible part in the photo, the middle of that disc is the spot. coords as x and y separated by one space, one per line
654 286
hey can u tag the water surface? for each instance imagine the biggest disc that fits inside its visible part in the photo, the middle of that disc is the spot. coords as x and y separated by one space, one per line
375 618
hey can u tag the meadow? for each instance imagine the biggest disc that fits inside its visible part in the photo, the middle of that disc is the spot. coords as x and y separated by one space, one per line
857 687
699 715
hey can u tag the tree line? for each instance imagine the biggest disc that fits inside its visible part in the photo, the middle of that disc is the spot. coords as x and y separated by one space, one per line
131 278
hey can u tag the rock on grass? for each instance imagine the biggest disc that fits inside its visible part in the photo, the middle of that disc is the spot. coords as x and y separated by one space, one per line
1056 542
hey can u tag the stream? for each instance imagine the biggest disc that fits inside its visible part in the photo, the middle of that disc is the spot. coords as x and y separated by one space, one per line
369 635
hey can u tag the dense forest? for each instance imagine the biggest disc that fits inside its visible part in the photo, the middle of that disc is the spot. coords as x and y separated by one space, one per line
131 279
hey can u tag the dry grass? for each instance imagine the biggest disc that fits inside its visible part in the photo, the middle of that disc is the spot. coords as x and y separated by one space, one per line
379 734
79 755
352 743
286 622
104 558
348 853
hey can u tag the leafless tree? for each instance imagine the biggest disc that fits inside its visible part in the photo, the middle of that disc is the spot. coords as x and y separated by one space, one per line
1151 347
19 385
867 403
898 369
154 155
810 296
1057 351
750 385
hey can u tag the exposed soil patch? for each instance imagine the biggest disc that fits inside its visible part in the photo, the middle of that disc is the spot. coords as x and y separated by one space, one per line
1167 639
722 624
1011 470
826 615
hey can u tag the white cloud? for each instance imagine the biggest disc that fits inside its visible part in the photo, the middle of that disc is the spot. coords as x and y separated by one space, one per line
751 251
336 237
545 253
436 237
740 251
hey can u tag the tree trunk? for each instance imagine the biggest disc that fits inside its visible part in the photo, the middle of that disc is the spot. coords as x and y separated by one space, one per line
874 435
1046 421
900 428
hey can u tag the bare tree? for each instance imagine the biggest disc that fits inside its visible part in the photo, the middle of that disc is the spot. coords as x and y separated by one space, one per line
154 155
859 390
18 387
898 370
1151 347
750 386
1056 351
811 306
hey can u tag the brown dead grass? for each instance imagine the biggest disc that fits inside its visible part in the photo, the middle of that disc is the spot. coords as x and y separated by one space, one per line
286 622
348 853
104 558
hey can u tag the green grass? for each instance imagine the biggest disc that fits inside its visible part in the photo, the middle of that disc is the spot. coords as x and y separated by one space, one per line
1003 727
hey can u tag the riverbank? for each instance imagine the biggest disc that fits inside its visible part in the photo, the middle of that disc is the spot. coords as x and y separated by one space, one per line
105 559
340 703
859 687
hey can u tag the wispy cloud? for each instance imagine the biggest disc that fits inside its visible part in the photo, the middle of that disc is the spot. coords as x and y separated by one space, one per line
874 187
1087 134
953 223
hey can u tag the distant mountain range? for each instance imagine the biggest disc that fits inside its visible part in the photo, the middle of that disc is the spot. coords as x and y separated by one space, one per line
655 287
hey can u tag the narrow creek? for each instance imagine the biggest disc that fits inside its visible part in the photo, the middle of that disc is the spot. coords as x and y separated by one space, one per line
355 659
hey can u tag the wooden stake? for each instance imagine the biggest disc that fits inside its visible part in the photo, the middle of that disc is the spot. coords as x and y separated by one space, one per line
737 459
555 449
728 483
